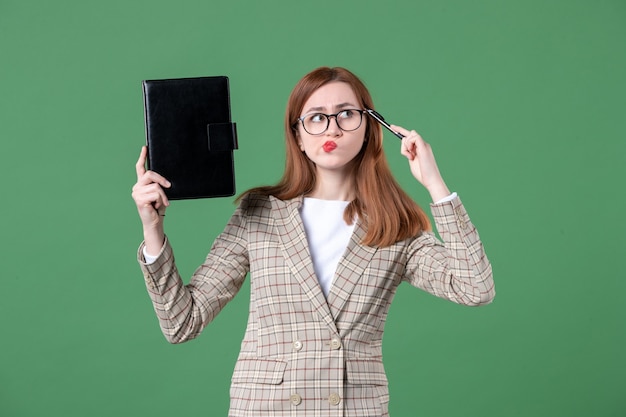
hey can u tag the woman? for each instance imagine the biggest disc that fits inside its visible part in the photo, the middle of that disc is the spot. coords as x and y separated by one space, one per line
326 248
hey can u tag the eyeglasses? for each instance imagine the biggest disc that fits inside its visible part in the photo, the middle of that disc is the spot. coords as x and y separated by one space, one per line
317 123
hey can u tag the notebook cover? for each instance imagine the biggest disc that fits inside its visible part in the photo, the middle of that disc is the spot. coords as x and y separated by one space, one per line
190 136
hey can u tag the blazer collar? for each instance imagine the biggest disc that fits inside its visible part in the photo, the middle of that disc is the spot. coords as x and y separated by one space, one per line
298 257
296 252
350 269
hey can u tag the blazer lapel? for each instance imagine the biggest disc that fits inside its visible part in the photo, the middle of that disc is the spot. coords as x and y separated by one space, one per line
297 256
350 270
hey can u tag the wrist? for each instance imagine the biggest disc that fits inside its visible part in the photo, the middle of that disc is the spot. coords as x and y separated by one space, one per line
154 237
439 192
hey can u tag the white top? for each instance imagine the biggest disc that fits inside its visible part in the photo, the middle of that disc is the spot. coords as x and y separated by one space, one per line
328 236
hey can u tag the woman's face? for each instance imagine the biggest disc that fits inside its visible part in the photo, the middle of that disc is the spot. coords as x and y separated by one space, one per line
334 148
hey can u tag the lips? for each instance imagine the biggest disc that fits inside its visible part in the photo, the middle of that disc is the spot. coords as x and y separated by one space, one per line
329 146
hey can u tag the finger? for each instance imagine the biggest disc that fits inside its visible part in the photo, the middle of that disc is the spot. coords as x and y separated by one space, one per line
164 199
158 198
146 177
151 177
422 147
406 132
161 211
149 195
140 166
405 150
146 198
400 129
408 146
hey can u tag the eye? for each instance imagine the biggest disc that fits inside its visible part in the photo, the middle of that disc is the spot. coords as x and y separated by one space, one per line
317 118
346 114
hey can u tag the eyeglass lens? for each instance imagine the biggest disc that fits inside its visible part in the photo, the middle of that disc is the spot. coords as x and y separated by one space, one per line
317 123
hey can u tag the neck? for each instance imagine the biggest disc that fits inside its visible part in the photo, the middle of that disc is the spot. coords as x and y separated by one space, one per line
333 186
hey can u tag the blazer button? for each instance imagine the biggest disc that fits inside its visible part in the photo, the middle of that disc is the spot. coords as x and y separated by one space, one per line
295 399
297 345
334 399
335 344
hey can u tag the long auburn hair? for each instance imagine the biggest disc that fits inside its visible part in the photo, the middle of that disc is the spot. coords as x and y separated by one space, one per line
385 210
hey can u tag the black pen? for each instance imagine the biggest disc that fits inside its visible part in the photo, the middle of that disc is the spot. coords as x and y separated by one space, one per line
380 119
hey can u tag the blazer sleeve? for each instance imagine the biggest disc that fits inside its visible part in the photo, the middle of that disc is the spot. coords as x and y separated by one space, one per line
456 269
184 310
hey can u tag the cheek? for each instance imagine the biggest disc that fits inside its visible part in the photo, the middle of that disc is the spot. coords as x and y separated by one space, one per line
360 139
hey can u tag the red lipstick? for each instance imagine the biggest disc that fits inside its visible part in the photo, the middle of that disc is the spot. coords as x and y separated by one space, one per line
329 146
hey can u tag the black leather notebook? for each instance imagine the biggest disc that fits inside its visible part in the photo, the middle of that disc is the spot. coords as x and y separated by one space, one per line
190 136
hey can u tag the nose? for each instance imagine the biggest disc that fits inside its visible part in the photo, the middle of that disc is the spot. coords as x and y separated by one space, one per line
333 127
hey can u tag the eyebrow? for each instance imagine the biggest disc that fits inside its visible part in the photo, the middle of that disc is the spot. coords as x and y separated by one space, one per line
338 107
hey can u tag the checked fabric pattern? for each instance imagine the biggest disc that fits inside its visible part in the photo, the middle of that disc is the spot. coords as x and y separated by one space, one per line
303 354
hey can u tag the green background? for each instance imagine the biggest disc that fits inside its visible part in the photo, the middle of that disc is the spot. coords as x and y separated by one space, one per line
523 102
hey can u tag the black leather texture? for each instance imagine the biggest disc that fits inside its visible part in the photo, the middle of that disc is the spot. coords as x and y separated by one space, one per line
190 135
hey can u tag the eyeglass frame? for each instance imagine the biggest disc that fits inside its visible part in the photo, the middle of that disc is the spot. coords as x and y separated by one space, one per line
328 116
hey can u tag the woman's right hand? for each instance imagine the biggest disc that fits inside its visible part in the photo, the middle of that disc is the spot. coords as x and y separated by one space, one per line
148 194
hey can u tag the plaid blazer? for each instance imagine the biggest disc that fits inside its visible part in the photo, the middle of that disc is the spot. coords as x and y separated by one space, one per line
303 354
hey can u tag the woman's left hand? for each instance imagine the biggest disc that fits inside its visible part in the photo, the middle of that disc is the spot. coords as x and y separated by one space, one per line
422 163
